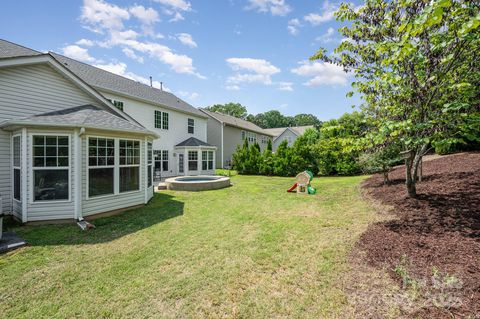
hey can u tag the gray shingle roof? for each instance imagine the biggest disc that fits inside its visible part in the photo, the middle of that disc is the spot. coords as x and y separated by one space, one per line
10 50
299 130
234 121
192 141
81 116
99 78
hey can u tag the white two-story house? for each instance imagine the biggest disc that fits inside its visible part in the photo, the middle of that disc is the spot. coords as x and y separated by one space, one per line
182 148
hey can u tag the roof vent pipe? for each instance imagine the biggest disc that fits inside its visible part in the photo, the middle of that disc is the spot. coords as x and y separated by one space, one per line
161 86
151 82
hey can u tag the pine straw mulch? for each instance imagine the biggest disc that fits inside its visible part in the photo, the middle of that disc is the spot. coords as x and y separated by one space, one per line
431 247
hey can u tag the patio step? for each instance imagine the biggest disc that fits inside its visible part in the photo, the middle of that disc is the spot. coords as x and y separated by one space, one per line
161 186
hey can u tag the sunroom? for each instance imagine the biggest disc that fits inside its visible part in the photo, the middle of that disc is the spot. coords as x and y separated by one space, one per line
195 157
78 162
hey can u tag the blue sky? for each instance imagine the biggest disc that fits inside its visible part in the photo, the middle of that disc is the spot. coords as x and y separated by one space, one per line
253 52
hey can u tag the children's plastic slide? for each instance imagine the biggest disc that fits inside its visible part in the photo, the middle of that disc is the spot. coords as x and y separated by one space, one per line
309 177
291 189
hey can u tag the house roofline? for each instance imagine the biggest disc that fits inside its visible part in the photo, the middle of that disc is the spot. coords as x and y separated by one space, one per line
50 60
261 131
24 123
100 88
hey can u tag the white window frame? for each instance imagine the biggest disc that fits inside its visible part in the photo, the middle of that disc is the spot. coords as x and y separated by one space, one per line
197 160
87 177
162 159
149 167
33 169
139 165
13 168
251 137
190 126
209 158
116 170
159 122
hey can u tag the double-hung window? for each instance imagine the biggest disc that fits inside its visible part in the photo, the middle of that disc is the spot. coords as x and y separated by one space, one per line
191 126
51 157
149 163
16 142
158 119
192 160
207 160
101 166
164 160
161 120
252 137
129 155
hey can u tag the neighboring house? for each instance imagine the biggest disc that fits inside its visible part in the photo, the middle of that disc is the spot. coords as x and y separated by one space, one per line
289 134
65 151
161 112
227 132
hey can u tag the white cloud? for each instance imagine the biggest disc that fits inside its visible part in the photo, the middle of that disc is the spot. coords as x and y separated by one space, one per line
180 5
251 70
327 14
188 95
78 53
146 16
321 73
232 87
180 63
121 69
275 7
101 15
177 17
131 54
293 26
327 37
285 86
85 42
186 39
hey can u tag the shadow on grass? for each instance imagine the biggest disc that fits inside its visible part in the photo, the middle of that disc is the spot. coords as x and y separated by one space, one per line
161 208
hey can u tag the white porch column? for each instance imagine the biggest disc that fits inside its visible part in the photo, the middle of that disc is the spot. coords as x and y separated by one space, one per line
78 173
24 174
145 169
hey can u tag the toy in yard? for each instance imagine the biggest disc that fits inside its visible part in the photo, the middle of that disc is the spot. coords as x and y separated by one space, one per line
303 184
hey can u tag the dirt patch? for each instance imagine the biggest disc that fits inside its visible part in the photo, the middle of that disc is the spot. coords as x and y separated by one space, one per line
432 246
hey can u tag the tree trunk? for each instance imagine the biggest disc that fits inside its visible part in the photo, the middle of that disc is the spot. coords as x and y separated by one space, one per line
412 163
409 179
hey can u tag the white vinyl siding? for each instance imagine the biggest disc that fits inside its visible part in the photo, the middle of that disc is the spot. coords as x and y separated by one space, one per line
25 91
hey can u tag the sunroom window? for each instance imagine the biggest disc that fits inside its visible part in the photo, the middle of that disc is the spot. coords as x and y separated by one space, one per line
192 160
207 160
51 168
16 168
101 166
149 164
129 165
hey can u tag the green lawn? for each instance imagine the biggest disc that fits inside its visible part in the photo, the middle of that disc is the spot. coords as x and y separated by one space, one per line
248 251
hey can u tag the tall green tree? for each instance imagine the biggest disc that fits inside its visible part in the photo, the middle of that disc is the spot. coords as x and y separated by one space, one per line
233 109
417 69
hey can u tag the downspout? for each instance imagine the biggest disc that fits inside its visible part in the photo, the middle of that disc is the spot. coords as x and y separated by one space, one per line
77 146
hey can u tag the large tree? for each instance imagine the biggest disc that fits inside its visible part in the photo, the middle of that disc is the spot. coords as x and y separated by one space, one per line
233 109
417 70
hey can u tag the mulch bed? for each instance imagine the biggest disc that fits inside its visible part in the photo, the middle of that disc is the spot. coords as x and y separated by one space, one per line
438 230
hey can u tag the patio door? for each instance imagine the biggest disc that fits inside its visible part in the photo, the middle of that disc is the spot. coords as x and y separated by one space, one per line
181 164
157 172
